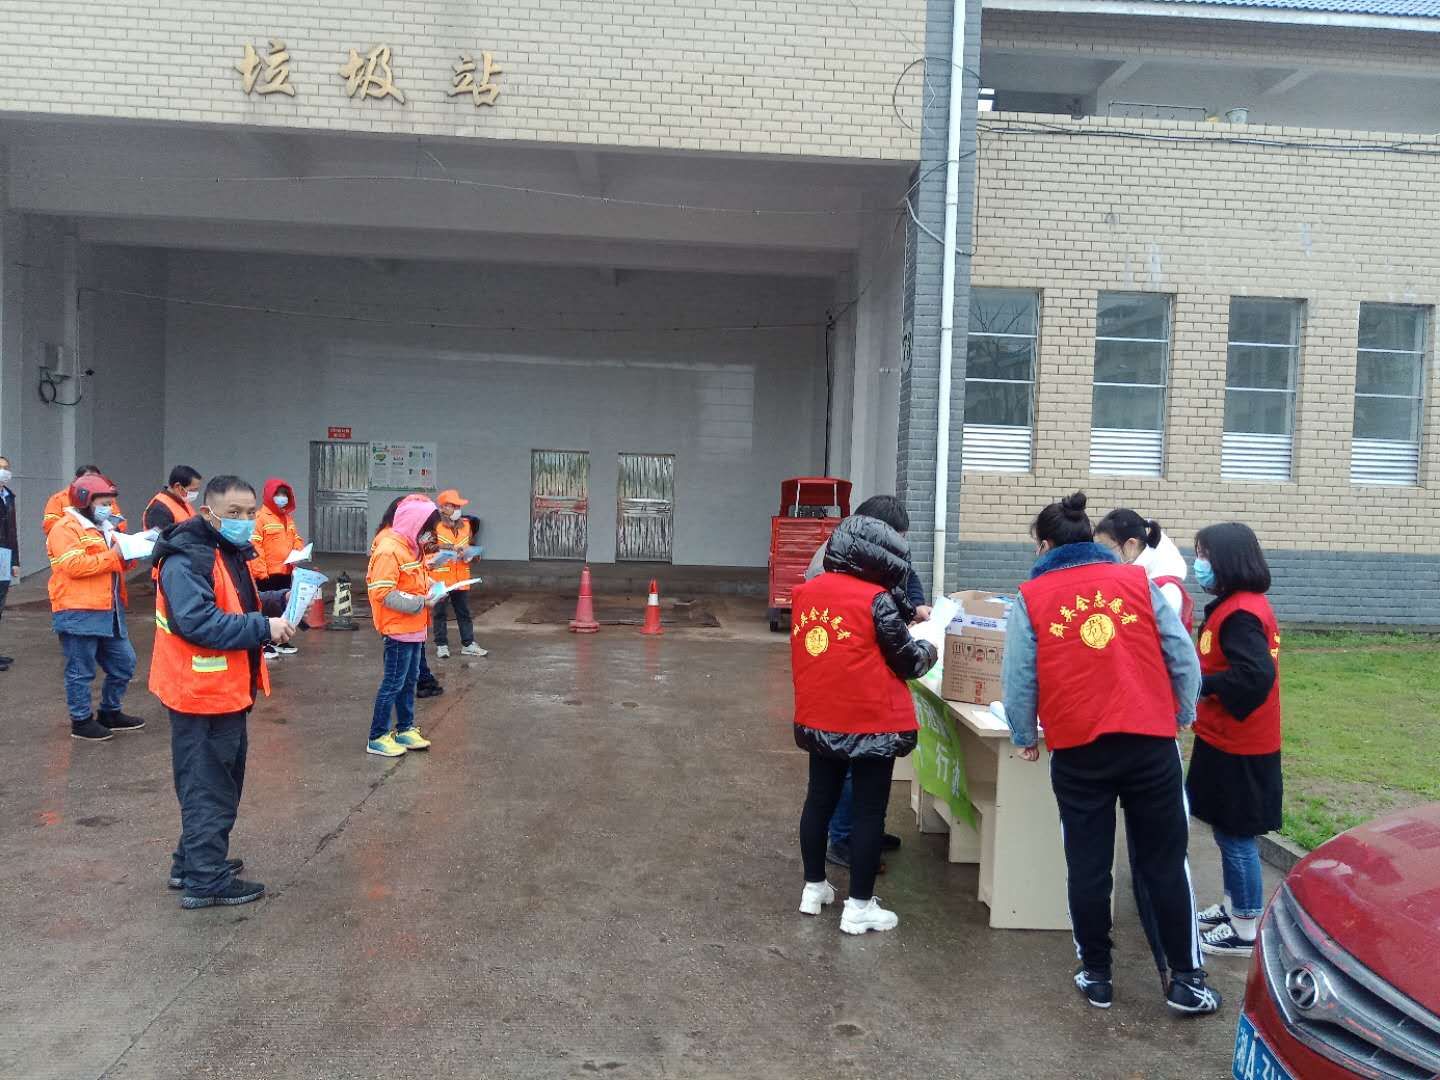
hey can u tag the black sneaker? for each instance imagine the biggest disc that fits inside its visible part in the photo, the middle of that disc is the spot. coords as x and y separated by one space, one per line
119 721
1225 940
237 892
1189 995
178 881
429 689
1097 988
7 660
838 855
889 842
90 730
286 649
1213 916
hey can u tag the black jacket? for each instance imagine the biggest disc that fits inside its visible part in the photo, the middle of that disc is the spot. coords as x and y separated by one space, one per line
185 555
9 535
870 550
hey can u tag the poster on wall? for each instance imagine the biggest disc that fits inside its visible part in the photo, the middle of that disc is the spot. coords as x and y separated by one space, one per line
402 466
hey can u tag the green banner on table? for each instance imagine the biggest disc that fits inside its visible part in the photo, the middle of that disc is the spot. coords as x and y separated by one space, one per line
939 759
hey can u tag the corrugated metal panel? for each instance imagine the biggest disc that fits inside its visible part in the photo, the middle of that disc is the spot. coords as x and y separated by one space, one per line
1116 452
1260 458
1425 9
1380 461
991 448
559 504
644 530
340 497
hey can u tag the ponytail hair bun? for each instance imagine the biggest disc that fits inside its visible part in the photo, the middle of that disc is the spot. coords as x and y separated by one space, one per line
1152 533
1124 525
1064 522
1074 506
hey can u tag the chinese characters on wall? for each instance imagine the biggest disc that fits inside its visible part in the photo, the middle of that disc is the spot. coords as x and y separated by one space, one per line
366 76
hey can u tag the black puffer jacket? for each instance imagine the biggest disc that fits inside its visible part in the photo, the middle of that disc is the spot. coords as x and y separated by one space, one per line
870 550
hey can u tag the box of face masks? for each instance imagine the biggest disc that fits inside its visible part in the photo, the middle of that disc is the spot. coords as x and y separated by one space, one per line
975 648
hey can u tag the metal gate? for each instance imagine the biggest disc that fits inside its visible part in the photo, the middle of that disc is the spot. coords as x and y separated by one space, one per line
645 524
559 503
340 496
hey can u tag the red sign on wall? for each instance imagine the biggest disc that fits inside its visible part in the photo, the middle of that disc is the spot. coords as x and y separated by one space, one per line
339 433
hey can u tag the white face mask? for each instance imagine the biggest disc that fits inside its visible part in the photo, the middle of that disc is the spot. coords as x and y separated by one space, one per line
454 515
282 501
5 476
192 497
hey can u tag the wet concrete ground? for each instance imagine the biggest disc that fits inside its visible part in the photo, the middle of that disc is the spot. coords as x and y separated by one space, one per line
594 873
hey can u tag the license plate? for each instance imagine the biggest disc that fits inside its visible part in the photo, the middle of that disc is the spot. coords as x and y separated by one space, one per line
1253 1059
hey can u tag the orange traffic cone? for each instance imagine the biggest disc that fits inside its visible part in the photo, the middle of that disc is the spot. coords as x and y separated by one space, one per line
584 621
315 617
652 611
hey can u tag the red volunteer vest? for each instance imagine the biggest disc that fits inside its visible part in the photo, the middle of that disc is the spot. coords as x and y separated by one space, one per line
1258 733
842 682
191 679
1098 661
1187 605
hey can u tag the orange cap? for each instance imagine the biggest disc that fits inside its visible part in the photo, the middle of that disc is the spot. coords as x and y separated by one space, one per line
450 495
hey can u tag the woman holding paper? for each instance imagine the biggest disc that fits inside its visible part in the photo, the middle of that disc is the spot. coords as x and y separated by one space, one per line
455 535
87 575
401 596
276 539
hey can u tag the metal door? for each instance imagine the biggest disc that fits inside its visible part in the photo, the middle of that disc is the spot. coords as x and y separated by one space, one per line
340 497
559 504
645 524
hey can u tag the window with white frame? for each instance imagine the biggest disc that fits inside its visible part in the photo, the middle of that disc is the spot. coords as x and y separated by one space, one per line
1261 374
1132 363
1389 394
1000 380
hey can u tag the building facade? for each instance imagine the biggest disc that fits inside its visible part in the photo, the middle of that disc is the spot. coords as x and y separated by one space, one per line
615 268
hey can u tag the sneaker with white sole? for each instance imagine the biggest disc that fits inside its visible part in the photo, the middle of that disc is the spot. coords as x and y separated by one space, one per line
1190 995
271 652
442 652
474 650
862 915
817 895
1225 940
1213 916
286 650
1098 989
385 746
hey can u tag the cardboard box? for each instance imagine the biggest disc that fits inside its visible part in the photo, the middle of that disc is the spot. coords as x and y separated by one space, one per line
974 655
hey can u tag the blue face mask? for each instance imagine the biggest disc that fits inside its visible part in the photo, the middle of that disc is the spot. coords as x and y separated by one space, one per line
282 501
1204 574
103 514
239 531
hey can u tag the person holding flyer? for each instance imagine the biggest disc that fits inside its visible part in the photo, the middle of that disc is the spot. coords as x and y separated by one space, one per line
211 622
401 596
455 535
276 537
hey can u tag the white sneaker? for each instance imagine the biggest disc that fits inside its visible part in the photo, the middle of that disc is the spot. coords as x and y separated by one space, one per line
271 652
863 915
442 652
474 650
817 895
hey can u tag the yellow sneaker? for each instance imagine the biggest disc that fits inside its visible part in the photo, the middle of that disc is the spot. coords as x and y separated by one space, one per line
385 746
411 739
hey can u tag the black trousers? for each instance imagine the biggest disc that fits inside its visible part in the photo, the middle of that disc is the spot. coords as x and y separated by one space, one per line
870 778
275 583
1144 774
460 601
207 756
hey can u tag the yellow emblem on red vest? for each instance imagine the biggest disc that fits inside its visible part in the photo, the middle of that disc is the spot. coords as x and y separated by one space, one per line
1098 629
817 638
1207 639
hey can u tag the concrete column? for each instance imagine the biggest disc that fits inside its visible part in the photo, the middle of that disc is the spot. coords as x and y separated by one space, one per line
920 374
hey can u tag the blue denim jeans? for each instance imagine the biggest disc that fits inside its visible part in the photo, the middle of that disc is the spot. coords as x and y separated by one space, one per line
840 819
1244 879
114 655
397 687
207 759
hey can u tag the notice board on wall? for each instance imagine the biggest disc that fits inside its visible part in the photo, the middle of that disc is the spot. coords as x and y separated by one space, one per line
402 466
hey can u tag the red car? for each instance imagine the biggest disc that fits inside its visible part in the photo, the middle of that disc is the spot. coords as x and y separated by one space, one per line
1346 976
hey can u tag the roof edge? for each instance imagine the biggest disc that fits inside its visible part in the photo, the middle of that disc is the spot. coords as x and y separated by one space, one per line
1164 9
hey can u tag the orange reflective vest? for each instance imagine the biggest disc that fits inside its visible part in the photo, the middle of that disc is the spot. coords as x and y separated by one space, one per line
395 565
57 504
191 679
451 535
180 510
83 567
275 538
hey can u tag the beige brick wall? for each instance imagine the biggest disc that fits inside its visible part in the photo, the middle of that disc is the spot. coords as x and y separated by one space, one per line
1396 52
1072 211
807 77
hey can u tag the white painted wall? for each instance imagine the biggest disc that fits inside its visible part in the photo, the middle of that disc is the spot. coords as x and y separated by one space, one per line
875 413
247 390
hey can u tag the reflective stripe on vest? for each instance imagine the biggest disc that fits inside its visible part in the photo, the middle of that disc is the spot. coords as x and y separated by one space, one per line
209 663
